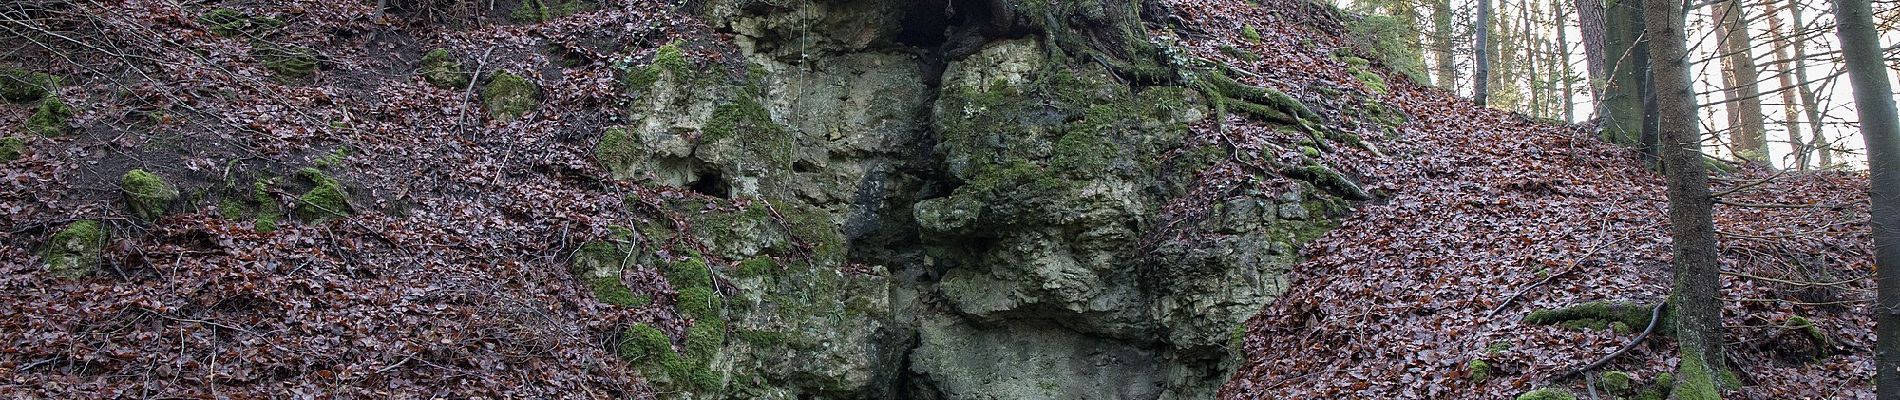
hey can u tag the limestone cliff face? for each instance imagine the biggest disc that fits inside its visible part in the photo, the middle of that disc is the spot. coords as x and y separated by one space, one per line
982 212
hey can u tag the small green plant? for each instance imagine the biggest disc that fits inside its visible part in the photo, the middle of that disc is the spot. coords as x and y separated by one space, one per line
1480 370
50 118
11 149
1250 33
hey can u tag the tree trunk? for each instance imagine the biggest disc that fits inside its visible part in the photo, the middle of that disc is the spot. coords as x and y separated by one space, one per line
1790 102
1691 226
1810 104
1481 77
1442 45
1623 106
1747 135
1562 47
1590 22
1873 100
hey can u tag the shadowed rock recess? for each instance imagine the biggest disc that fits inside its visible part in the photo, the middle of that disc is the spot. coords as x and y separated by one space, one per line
993 203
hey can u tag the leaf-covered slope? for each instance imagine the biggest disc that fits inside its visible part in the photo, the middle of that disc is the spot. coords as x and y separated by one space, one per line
1484 211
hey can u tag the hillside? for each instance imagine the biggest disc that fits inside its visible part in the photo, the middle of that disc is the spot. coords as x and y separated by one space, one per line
835 199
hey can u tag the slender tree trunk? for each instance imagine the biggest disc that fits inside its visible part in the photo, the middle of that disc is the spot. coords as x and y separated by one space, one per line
1562 47
1481 77
1790 102
1442 45
1879 127
1532 80
1810 104
1747 134
1590 23
1691 226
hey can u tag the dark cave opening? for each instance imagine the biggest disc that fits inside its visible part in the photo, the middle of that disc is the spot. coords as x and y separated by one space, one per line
710 183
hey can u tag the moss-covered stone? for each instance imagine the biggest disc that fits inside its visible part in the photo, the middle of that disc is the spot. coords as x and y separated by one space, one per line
1618 383
74 252
702 303
22 86
667 60
757 267
643 343
325 200
11 149
228 22
442 70
618 147
747 126
286 61
1815 337
608 289
1658 390
1547 394
50 118
1249 33
509 96
1480 370
704 339
147 194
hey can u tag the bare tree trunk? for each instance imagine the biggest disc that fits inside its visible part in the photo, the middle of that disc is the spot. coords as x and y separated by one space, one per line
1747 135
1810 103
1443 44
1481 77
1790 102
1879 127
1562 47
1590 23
1691 225
1528 34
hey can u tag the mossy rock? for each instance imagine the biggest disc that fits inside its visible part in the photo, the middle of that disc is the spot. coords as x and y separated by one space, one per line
667 60
228 22
74 251
288 62
1618 383
1547 394
442 70
758 267
11 149
618 147
23 86
702 303
608 289
643 343
51 118
1249 33
147 194
325 200
509 96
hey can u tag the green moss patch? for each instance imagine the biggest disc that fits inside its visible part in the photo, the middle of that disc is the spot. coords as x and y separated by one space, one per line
74 251
618 148
1618 383
1480 370
287 62
509 96
268 211
668 61
1547 394
11 149
325 200
748 126
147 194
228 22
50 118
442 70
23 86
